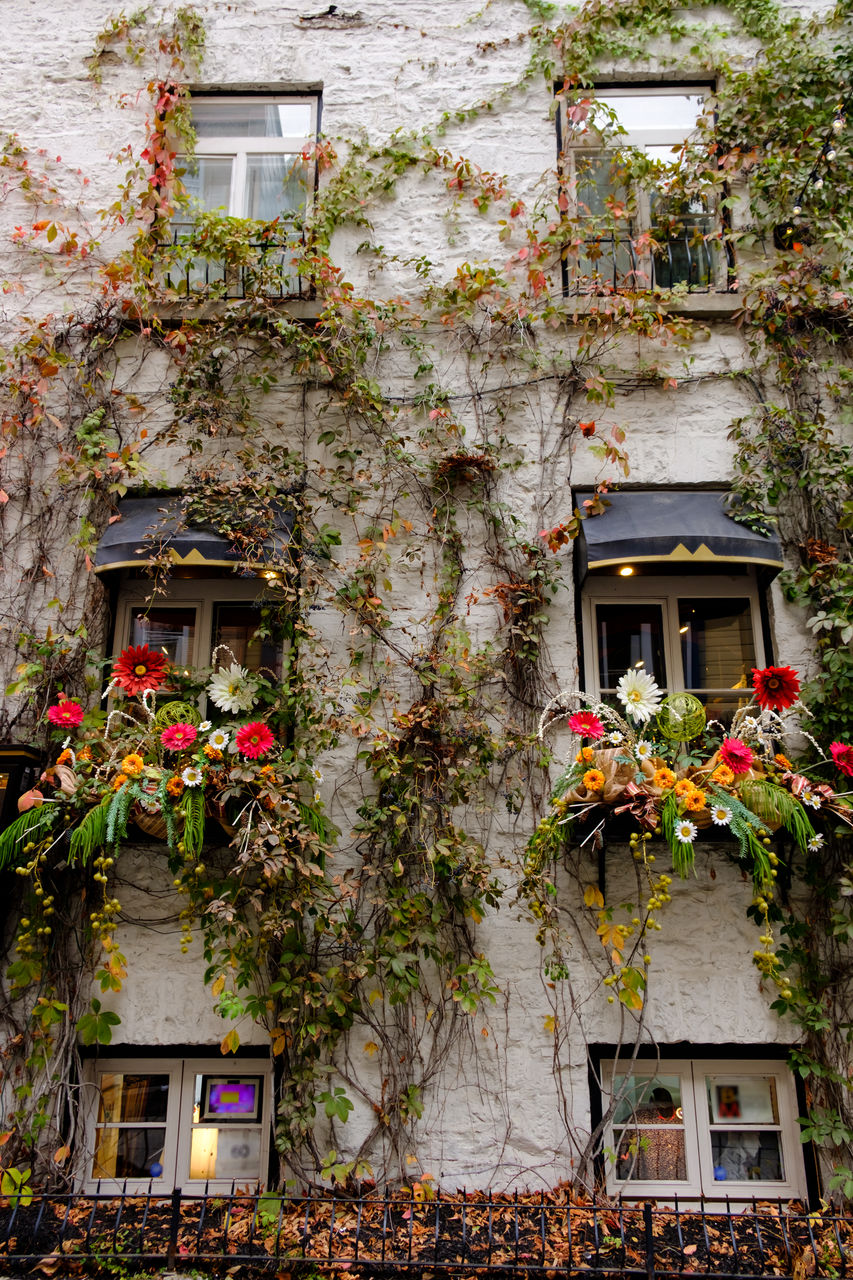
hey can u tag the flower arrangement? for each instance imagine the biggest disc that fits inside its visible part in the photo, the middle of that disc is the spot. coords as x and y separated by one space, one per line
166 770
737 780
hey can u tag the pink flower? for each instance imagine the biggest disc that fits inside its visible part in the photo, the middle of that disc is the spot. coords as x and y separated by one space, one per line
254 739
843 757
586 724
178 736
66 714
736 755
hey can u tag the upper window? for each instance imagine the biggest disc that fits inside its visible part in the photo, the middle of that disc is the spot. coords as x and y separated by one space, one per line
703 1128
249 155
173 1121
697 634
622 151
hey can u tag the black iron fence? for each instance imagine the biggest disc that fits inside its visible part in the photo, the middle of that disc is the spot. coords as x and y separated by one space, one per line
466 1233
610 263
193 265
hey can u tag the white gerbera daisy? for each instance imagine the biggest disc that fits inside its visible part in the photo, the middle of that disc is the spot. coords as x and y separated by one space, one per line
810 798
639 694
815 843
615 738
720 815
317 774
232 689
685 831
192 777
205 726
219 739
644 750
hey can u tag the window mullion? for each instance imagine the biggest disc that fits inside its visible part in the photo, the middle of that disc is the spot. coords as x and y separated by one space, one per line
237 208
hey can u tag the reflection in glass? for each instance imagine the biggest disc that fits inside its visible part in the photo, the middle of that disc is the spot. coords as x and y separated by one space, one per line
717 646
235 626
220 1151
274 185
673 113
748 1100
129 1153
650 1154
746 1156
225 118
208 180
651 1099
629 637
132 1097
130 1133
170 630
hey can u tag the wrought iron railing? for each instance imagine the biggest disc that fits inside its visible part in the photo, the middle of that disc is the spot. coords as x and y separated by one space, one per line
546 1235
266 266
613 264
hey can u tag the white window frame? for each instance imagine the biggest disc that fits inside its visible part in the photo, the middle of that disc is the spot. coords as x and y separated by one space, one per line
587 141
666 592
201 594
700 1182
179 1118
238 149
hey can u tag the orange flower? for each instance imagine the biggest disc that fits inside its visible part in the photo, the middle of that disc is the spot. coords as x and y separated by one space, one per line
211 752
695 801
663 778
132 765
723 775
683 788
783 761
85 753
586 755
266 769
175 785
64 757
118 781
593 779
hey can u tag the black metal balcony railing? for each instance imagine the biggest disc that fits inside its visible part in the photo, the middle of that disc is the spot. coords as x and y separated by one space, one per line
612 264
399 1233
270 270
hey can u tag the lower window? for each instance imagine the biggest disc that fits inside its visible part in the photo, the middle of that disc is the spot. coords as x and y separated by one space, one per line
167 1123
703 1128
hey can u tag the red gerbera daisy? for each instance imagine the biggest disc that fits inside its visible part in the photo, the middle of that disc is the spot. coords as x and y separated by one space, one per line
139 668
178 736
586 724
736 755
776 688
843 757
254 739
67 714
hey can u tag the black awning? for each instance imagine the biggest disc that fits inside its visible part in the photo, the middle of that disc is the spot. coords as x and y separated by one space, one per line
681 526
156 526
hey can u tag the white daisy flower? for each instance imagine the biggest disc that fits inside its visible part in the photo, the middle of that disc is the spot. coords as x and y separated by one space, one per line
720 815
149 804
219 739
639 694
748 725
685 831
815 843
289 810
192 777
205 726
615 738
316 774
644 750
810 798
317 797
232 689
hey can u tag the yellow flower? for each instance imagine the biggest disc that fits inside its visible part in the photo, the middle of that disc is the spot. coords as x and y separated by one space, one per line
132 765
119 781
585 756
683 788
695 800
663 778
175 786
593 779
723 775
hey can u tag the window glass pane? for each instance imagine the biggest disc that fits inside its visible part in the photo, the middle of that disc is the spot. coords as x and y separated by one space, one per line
653 1100
234 625
742 1100
129 1153
656 1154
132 1097
170 630
274 185
226 118
209 182
639 112
225 1152
743 1156
717 647
629 636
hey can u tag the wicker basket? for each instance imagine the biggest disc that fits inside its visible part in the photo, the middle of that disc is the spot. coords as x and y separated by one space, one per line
153 824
